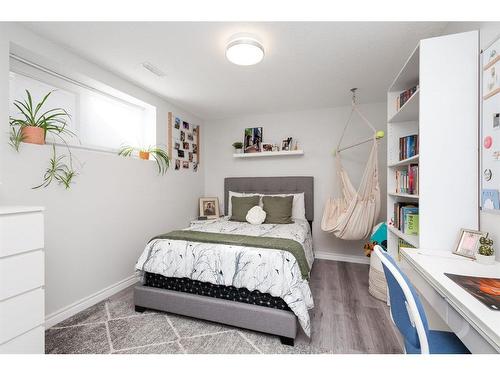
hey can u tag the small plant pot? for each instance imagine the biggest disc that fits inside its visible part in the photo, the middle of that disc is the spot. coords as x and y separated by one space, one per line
485 259
144 155
33 134
238 150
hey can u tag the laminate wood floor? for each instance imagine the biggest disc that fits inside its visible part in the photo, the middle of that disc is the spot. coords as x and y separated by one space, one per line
346 318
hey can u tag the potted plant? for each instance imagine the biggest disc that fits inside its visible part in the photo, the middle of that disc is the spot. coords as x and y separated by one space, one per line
32 126
34 123
486 253
238 147
159 155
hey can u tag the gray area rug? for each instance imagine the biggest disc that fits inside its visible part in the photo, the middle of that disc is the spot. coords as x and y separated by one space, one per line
113 327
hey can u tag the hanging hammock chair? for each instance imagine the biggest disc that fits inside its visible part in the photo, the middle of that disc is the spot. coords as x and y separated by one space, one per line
352 216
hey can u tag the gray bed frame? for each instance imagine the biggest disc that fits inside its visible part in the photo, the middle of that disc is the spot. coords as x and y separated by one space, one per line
257 318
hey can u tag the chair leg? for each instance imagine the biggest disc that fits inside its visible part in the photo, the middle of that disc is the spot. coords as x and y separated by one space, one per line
287 341
139 309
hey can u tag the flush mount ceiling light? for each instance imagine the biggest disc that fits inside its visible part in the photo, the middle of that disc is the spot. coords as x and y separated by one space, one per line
244 50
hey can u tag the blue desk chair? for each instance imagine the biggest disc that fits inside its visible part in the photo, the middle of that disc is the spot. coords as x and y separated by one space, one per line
408 315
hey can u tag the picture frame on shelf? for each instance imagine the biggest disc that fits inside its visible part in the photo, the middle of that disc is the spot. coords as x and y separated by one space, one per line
468 242
267 147
253 140
209 207
286 144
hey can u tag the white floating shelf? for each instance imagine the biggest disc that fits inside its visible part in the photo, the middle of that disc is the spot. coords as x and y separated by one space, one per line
412 160
411 239
268 153
402 195
409 111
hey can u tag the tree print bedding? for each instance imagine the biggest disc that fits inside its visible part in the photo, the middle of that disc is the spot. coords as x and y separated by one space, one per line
267 270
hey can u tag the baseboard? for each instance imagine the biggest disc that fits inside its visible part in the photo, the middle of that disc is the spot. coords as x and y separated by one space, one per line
75 308
341 257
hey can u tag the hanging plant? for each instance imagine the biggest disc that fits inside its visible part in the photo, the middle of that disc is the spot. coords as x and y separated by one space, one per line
159 155
58 171
32 125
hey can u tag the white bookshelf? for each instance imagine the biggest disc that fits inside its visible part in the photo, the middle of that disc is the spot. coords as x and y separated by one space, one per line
444 112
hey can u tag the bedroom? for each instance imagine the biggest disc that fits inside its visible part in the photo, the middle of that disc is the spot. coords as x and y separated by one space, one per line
95 258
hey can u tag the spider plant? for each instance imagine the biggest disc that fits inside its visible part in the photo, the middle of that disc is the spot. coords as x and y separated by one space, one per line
160 155
16 136
32 124
31 115
58 171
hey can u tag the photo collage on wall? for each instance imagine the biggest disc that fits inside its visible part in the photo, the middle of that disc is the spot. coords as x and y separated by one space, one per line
490 129
184 140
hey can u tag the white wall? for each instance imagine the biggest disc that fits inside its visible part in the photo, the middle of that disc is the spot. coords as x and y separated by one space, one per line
96 230
317 132
488 32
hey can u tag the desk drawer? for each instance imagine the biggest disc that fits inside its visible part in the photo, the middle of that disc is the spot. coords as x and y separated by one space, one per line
21 232
32 342
20 314
20 273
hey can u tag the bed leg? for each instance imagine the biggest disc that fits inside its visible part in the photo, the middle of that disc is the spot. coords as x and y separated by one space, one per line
139 309
287 340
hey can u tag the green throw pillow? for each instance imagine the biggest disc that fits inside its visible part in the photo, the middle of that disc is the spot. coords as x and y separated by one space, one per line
278 209
241 206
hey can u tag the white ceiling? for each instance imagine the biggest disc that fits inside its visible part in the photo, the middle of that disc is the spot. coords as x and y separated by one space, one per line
307 64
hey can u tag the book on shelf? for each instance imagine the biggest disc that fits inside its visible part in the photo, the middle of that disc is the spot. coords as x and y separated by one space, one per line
402 243
406 217
411 224
407 180
408 146
403 97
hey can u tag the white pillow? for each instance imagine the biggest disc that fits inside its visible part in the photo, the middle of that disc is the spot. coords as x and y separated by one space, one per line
298 204
256 215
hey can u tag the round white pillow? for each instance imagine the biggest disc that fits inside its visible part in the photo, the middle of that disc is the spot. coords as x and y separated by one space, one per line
256 215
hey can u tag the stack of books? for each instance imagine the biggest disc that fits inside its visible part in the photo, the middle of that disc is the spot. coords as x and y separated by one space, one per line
407 180
408 146
405 96
406 218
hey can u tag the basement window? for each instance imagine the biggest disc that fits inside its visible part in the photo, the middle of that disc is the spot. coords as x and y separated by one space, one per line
101 120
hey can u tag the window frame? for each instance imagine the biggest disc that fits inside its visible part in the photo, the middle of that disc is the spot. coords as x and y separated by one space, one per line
35 71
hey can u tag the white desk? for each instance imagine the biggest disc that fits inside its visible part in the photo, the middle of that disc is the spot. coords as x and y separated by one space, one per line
475 324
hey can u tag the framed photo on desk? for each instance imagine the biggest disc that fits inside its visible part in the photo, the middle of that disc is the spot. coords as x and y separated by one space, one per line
468 242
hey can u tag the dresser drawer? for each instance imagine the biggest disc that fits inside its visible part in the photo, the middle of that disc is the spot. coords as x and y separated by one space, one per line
32 342
20 232
21 314
20 273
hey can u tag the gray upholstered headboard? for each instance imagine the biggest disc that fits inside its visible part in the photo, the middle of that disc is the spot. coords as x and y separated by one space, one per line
273 185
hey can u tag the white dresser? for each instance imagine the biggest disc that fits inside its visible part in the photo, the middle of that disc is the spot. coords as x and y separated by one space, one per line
22 310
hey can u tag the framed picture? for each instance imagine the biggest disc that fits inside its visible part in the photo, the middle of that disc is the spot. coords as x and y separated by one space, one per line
286 144
253 140
267 147
209 207
468 243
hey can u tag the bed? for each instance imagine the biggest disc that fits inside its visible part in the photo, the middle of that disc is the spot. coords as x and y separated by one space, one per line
203 273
